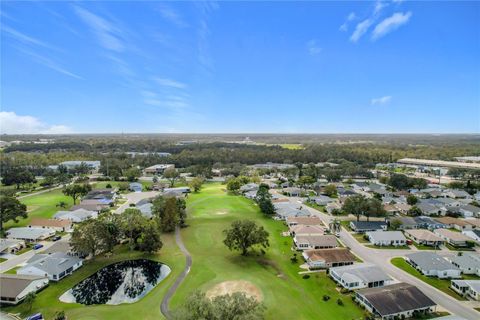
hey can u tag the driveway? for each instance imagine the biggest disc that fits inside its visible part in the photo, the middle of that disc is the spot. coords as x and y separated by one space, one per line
134 197
382 257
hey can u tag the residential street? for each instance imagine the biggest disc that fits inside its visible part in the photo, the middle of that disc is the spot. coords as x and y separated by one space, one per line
134 197
382 257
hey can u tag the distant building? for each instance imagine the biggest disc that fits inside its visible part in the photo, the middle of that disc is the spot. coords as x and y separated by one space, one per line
135 187
92 165
158 169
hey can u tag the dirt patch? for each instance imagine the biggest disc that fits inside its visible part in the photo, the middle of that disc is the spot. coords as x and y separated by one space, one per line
229 287
221 212
31 208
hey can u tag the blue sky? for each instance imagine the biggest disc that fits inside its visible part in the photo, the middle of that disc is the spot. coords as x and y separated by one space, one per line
303 67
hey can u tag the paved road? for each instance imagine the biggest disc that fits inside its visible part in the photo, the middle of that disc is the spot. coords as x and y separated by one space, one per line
134 197
188 264
12 263
382 257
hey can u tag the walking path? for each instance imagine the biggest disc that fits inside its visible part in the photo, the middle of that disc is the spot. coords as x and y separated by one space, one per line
171 291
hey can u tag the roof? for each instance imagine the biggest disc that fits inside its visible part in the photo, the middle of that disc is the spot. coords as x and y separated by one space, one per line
471 208
78 213
386 235
58 246
406 221
430 261
50 223
467 260
452 235
440 163
29 233
451 220
330 255
362 272
11 285
396 298
54 263
305 220
307 229
318 240
474 284
7 243
422 234
368 224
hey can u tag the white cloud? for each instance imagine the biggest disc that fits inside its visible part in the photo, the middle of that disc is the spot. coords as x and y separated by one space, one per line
49 63
165 82
379 5
391 23
344 27
171 15
107 34
25 39
313 47
381 101
360 30
11 123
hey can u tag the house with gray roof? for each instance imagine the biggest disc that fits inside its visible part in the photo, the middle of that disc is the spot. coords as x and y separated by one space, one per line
470 288
387 238
365 226
467 262
14 288
249 187
287 209
76 216
457 194
146 210
406 222
30 234
431 210
135 187
361 275
55 266
396 301
431 264
11 245
473 234
321 200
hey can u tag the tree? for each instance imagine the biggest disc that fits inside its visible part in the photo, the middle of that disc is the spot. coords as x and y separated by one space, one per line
305 181
170 218
29 299
244 234
93 237
18 176
412 200
395 224
132 224
399 181
11 209
76 190
236 306
132 174
171 174
264 200
149 240
330 190
374 207
355 205
196 184
233 185
415 211
60 315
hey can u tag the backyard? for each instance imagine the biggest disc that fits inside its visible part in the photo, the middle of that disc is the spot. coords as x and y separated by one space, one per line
284 291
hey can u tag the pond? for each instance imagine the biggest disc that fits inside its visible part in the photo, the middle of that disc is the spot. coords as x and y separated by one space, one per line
123 282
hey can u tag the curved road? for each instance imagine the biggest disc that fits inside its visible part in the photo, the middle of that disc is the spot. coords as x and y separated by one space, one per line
181 277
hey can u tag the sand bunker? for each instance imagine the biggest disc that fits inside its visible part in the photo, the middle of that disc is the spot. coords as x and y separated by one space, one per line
229 287
221 212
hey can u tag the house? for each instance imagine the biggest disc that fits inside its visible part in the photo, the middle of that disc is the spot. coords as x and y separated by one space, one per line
14 288
333 206
135 187
431 210
308 242
428 223
456 239
284 210
293 192
457 194
327 258
402 207
55 266
365 226
249 187
11 245
100 196
456 223
396 301
76 216
30 234
313 220
468 211
158 169
431 264
387 238
321 200
180 190
470 288
307 230
250 194
468 263
424 237
146 210
361 275
57 225
406 222
473 234
71 165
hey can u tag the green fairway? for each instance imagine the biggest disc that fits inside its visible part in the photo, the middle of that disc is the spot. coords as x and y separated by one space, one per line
285 293
147 308
440 284
41 206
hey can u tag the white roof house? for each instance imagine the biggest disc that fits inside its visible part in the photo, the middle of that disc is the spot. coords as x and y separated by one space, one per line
468 262
78 215
469 288
55 266
30 234
362 275
431 264
387 238
11 245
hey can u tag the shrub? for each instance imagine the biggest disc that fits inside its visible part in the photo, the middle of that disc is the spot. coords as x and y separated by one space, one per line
339 302
306 276
108 186
326 297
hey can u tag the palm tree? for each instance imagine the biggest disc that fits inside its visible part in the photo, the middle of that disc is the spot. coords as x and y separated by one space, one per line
29 299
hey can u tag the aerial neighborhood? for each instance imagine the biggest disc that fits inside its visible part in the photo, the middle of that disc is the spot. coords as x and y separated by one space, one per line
389 241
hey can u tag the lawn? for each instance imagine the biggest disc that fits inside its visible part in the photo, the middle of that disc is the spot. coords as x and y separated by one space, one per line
440 284
41 206
423 247
284 291
3 260
360 237
147 308
450 247
315 206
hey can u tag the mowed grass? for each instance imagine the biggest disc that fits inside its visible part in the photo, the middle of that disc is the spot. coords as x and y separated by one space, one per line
41 206
148 307
285 293
440 284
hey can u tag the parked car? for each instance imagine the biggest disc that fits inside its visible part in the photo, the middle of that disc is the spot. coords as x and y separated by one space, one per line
36 316
56 238
37 246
